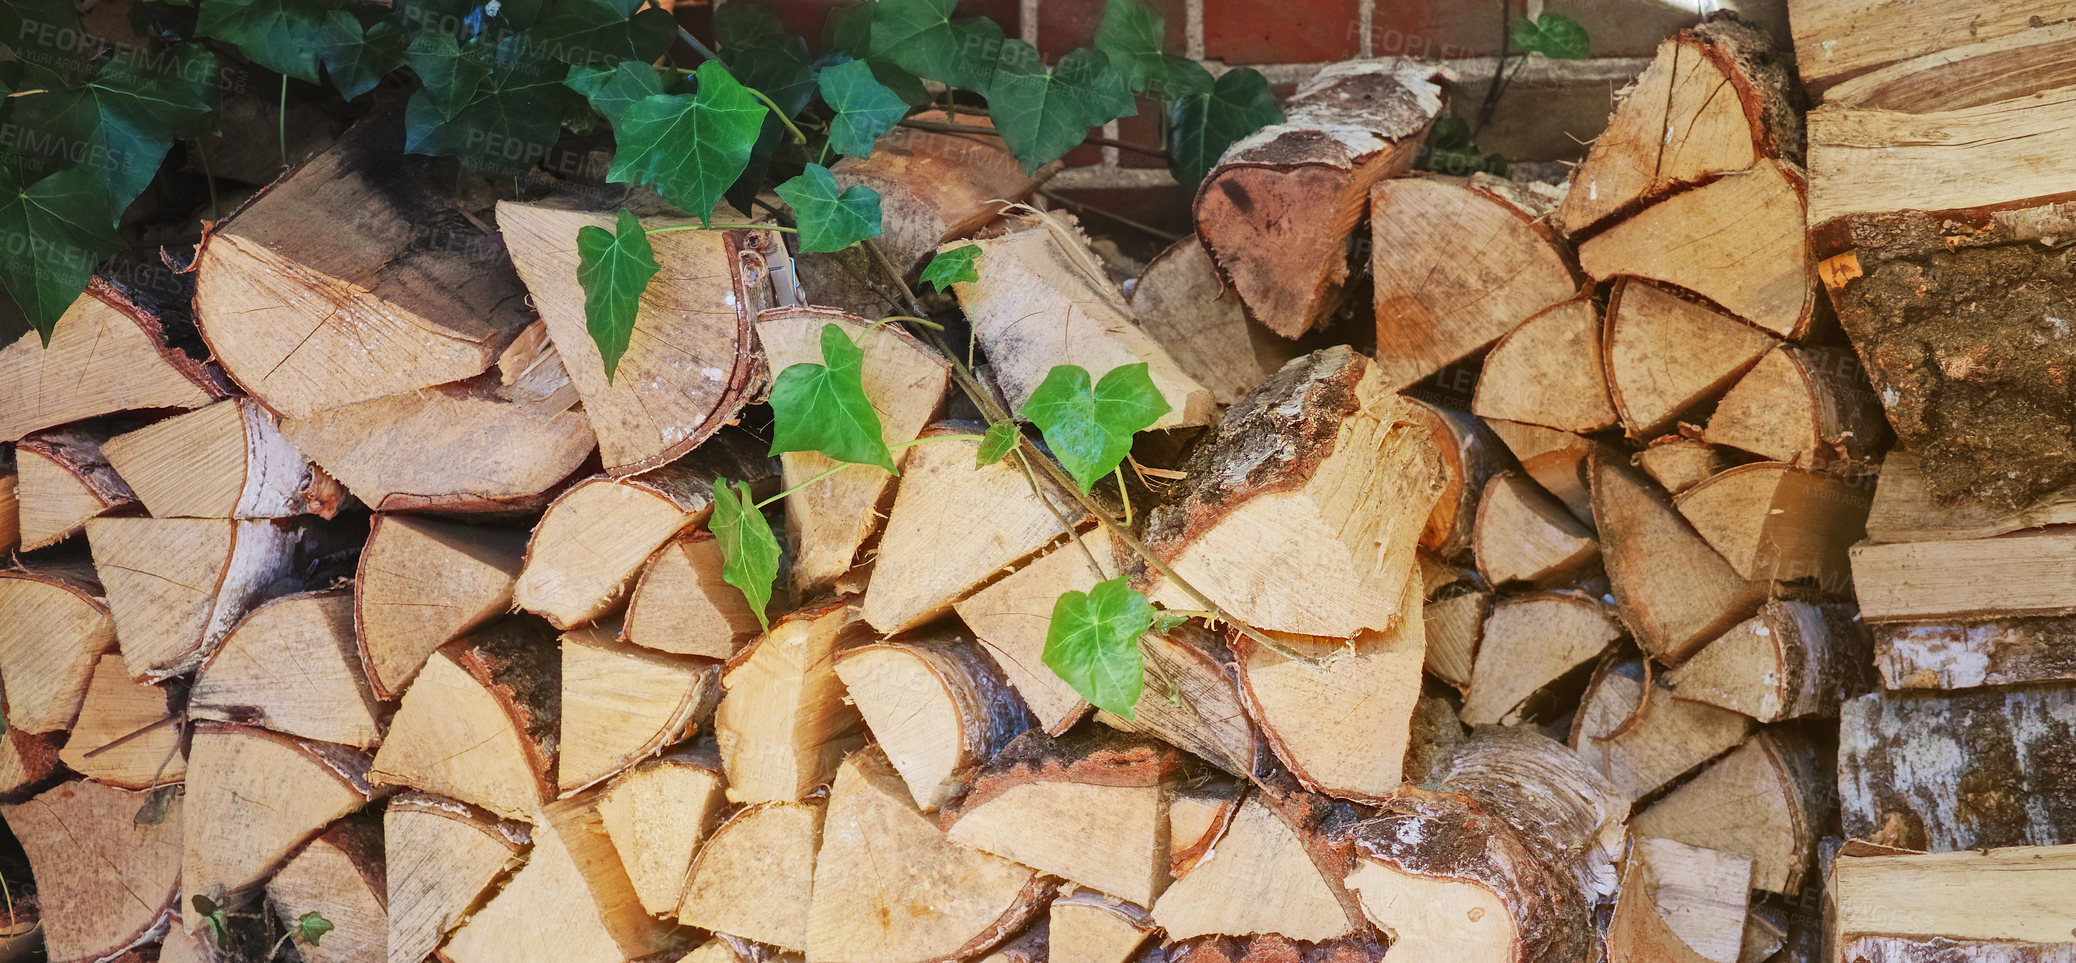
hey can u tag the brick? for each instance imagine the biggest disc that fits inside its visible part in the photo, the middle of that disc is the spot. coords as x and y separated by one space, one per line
1144 129
805 17
1064 25
1280 31
1437 29
1540 121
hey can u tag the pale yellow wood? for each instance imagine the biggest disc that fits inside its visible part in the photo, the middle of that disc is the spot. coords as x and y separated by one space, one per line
452 736
622 702
1754 801
338 876
1011 618
1529 642
1680 904
62 480
783 724
1184 305
1454 625
422 583
934 706
1677 463
116 707
1674 592
593 539
2002 153
1807 406
228 460
2020 894
1549 372
1088 927
658 815
1524 534
1837 39
1205 715
254 796
754 877
53 628
1905 511
291 666
1109 838
935 186
681 604
1259 878
1557 460
1197 817
1436 918
177 586
105 882
1773 521
2030 574
441 856
1667 354
2001 67
1641 743
101 359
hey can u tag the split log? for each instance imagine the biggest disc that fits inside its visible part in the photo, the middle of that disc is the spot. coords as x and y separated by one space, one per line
177 586
935 705
1525 535
292 666
1667 355
252 798
1091 809
1714 100
1549 371
724 948
829 522
1905 510
1999 906
783 724
691 364
478 724
1033 945
1680 904
1794 658
442 856
1342 726
309 310
62 480
26 759
1198 816
1752 259
1454 625
1277 210
1839 39
1568 814
1677 463
1557 460
423 583
1088 927
1765 800
1913 768
53 627
754 877
1808 406
1675 593
571 901
340 877
936 186
1469 456
1440 299
1187 308
1772 521
954 527
681 604
620 703
1969 579
2002 66
10 502
1043 299
1531 642
1273 949
1190 699
1962 655
112 354
106 882
228 460
889 887
110 743
1011 617
593 539
1631 729
1321 542
1272 872
658 814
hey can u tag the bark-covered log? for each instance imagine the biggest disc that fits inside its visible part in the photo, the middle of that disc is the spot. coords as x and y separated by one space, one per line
1795 657
936 705
177 586
479 723
227 460
1966 770
63 479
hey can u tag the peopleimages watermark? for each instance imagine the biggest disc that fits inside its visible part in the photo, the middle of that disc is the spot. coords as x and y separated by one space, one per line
66 48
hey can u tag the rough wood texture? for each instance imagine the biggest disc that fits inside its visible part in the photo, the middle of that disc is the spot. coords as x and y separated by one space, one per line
1807 406
1457 267
422 583
1557 460
1198 816
935 705
1967 770
1675 593
1838 39
1667 354
26 759
658 814
53 628
1549 371
1525 534
1680 904
1678 463
115 710
1455 626
478 724
1567 813
1272 872
935 186
105 882
62 480
1206 716
1011 618
1088 927
2017 575
177 586
1770 520
754 877
10 516
292 666
682 605
1764 800
1277 211
1529 642
783 724
1998 906
1905 510
1964 655
1793 658
252 798
2003 66
620 703
228 460
1318 477
830 521
689 367
1187 308
1633 730
442 856
107 354
1469 457
338 876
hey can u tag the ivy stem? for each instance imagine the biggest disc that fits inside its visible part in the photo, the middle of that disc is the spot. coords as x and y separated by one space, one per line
722 227
693 42
798 137
925 322
1080 208
839 467
281 116
1123 495
1098 140
25 93
276 948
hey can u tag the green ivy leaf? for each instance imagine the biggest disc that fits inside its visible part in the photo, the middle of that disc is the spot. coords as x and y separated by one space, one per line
614 268
284 36
823 407
496 105
64 225
865 108
1203 125
311 927
1090 429
691 146
829 220
1553 35
951 267
749 24
156 804
1042 115
920 37
356 57
118 126
602 33
995 444
1093 644
612 91
212 914
43 36
1133 36
749 552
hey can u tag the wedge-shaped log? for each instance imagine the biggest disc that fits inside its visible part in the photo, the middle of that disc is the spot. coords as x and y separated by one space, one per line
355 277
1557 460
935 705
1272 872
783 724
571 901
1674 591
690 364
64 479
340 877
1972 579
681 604
253 797
1190 699
1091 809
292 666
110 743
934 186
1277 211
1088 927
10 512
754 877
1549 371
1185 306
105 881
1197 818
1455 625
658 815
1011 618
422 583
1469 455
1908 764
228 460
177 586
955 527
53 627
1318 543
1905 510
1678 463
889 887
1633 730
111 355
1439 299
26 758
621 703
830 521
1770 520
1668 354
1764 800
1528 643
1680 904
478 724
1525 534
443 856
1793 658
2006 905
1808 406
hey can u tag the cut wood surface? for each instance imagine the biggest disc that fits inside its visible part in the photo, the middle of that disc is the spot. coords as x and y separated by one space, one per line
1838 39
1905 510
621 703
1667 354
783 723
1808 406
1770 520
1457 268
1909 764
1549 371
1469 457
228 460
1088 927
1277 210
689 366
62 480
1322 542
339 877
1197 819
830 521
109 355
1011 617
292 666
1206 716
1557 460
1763 800
1677 463
1675 593
935 705
1529 642
55 628
658 814
478 724
1454 626
1525 534
935 186
1962 655
682 605
441 857
1183 304
1793 658
253 797
125 736
177 586
26 759
1569 815
2016 897
1631 729
105 881
2015 575
754 877
2002 66
1265 875
1680 904
420 584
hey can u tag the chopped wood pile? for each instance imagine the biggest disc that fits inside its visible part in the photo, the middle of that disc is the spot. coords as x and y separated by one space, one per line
348 587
